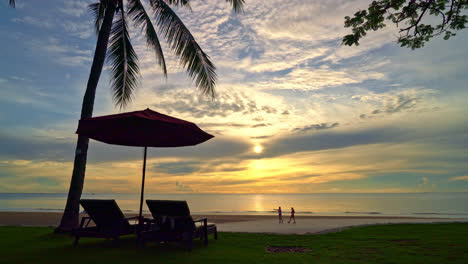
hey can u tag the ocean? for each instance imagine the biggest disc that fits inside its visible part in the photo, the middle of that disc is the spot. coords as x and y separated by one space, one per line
453 205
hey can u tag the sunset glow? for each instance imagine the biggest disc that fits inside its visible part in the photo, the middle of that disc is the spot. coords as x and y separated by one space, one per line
295 111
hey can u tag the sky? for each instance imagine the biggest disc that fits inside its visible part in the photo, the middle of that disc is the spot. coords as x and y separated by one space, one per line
295 111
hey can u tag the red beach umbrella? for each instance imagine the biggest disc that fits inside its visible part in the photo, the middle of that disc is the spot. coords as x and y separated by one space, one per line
145 128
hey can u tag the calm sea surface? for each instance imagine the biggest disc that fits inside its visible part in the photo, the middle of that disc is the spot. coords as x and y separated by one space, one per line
453 205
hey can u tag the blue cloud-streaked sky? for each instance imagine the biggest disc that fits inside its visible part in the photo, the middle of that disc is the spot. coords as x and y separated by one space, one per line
328 118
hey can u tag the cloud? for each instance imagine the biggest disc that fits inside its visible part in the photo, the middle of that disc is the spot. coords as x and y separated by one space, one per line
39 22
74 8
200 106
333 140
222 124
260 125
311 78
233 182
459 178
30 176
59 146
235 109
261 137
180 167
403 102
321 126
398 101
55 50
426 185
74 60
34 149
420 130
182 188
80 29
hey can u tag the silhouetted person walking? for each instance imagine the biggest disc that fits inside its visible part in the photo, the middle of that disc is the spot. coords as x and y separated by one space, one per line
292 216
280 214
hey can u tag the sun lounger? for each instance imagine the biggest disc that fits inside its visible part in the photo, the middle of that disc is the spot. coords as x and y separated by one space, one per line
172 222
109 221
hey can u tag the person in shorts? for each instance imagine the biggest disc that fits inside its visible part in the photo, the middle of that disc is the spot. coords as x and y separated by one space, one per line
280 214
292 216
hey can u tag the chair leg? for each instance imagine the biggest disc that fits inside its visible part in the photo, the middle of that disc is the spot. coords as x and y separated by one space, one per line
205 230
216 234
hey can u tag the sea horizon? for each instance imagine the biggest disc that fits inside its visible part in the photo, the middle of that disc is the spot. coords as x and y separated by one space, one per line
423 204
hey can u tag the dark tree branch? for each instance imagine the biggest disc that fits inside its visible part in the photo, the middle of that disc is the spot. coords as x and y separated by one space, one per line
411 12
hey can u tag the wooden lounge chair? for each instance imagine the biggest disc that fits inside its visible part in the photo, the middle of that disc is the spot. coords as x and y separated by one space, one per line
109 221
172 222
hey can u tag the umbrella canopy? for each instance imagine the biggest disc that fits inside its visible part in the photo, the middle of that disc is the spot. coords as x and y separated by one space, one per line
145 128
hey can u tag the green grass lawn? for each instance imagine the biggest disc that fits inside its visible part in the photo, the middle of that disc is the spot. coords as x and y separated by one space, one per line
402 243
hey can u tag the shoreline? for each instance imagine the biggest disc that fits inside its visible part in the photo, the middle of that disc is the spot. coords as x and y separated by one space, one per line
53 218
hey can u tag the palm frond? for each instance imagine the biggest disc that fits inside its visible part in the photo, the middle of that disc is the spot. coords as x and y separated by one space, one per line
138 13
97 10
124 62
12 3
237 5
198 63
185 3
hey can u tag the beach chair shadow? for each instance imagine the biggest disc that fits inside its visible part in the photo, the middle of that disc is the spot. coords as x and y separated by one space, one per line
110 222
172 222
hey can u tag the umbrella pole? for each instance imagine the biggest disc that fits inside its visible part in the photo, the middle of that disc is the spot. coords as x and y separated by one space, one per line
140 219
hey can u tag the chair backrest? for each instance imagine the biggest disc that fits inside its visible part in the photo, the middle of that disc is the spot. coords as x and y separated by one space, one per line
106 214
165 211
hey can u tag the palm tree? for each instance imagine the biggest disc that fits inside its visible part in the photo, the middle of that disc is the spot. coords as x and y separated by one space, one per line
124 66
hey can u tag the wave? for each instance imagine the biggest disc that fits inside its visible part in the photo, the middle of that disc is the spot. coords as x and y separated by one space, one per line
429 213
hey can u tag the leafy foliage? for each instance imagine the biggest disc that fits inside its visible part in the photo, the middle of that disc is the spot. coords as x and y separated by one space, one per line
185 3
141 19
415 32
123 59
122 56
179 38
238 5
124 62
97 10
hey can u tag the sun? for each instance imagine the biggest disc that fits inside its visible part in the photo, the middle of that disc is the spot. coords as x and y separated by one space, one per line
258 149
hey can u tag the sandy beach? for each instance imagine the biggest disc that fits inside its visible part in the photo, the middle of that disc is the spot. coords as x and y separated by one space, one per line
247 223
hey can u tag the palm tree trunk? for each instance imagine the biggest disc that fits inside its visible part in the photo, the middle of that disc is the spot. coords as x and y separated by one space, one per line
71 214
